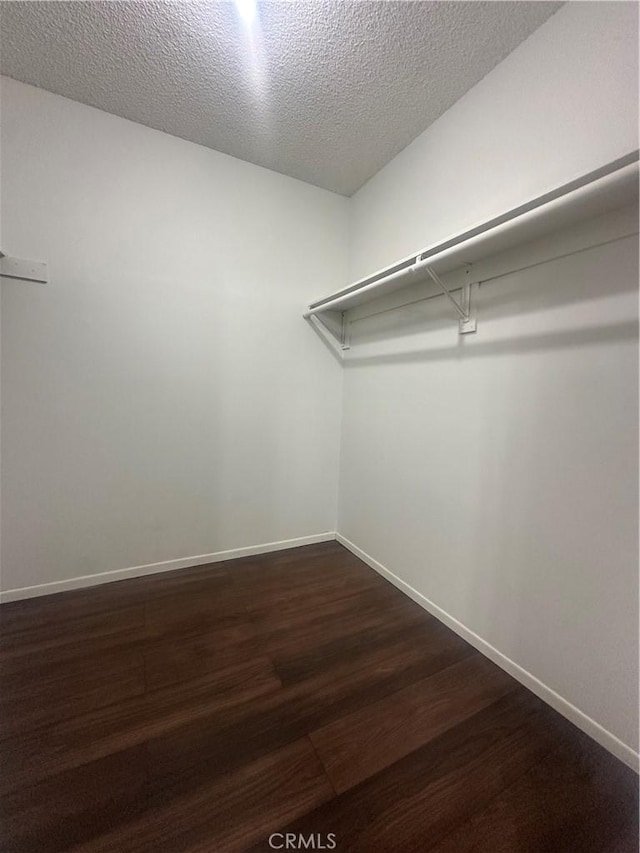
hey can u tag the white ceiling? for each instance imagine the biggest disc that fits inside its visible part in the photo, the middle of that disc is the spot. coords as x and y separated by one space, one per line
327 92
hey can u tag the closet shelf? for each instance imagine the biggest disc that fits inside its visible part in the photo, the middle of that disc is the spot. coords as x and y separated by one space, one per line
600 191
22 270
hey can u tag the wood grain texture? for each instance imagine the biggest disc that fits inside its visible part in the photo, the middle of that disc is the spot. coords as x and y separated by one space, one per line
205 709
358 745
419 799
45 694
567 801
42 752
228 812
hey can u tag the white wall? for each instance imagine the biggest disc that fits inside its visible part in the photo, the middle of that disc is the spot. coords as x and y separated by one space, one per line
563 103
497 475
157 393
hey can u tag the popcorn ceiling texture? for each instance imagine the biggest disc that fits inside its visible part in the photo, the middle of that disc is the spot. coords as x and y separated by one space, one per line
327 92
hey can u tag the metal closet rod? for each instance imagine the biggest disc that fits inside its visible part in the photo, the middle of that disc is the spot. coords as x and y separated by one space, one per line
406 272
490 278
425 259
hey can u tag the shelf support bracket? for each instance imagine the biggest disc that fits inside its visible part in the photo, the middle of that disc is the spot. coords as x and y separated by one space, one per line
330 326
22 270
468 323
345 332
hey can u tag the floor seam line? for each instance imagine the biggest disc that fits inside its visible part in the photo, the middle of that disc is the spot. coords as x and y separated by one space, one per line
322 764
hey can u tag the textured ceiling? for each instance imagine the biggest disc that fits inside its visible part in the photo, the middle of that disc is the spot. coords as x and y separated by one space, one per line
323 91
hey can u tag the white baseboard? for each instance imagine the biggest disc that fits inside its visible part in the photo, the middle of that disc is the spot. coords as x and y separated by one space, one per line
153 568
604 737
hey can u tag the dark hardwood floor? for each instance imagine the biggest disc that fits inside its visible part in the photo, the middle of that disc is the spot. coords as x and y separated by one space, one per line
296 692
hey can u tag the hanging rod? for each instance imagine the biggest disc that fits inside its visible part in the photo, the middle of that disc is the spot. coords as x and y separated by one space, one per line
488 279
416 267
606 178
335 303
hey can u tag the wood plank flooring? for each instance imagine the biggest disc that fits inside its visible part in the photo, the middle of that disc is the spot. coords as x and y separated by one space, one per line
296 692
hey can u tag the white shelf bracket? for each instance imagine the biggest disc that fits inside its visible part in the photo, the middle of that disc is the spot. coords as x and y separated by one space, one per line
345 332
331 326
468 323
22 270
